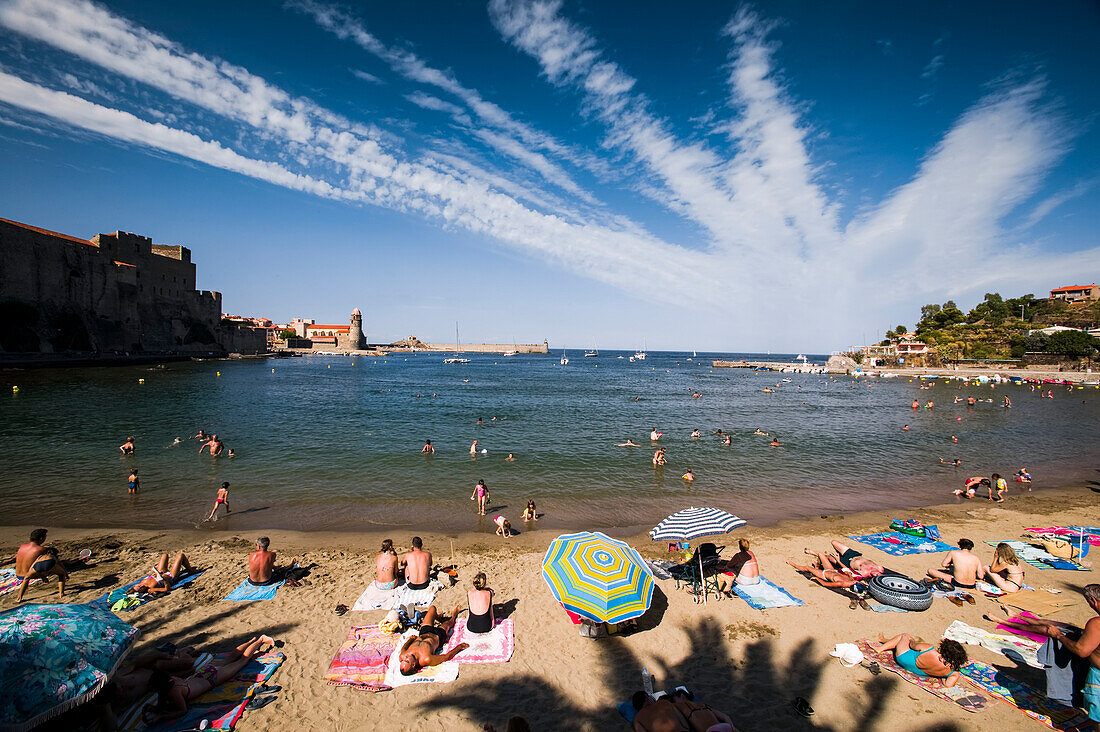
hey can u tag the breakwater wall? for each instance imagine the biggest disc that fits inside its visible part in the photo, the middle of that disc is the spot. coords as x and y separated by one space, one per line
797 368
484 347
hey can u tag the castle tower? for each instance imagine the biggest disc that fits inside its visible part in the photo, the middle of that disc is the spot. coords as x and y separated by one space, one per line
356 340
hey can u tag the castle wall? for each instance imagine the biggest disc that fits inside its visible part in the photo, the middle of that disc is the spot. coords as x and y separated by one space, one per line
115 292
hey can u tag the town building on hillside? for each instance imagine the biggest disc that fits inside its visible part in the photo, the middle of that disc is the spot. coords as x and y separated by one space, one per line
112 294
1076 293
323 337
905 350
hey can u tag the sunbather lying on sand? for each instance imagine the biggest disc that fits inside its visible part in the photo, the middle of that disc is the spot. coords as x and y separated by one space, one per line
676 714
832 575
924 659
863 567
174 693
422 650
164 578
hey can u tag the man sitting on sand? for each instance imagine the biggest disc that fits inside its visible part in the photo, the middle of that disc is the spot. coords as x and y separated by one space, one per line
385 567
421 651
860 565
417 562
924 659
164 577
261 564
966 568
34 561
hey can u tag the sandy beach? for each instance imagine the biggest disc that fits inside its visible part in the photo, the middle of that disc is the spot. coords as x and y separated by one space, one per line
749 663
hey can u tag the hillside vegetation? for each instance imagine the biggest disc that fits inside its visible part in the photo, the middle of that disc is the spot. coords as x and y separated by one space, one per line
997 328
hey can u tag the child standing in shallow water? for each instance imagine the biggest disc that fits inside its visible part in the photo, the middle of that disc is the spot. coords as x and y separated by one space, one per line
481 495
529 513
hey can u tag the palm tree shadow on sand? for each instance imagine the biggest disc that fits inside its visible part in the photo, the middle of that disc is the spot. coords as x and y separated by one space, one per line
759 681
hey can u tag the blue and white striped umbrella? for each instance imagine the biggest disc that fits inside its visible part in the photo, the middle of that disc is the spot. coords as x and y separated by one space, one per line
692 523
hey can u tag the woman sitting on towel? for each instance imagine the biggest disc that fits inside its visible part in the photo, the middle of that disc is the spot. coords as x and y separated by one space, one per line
480 600
175 693
1006 572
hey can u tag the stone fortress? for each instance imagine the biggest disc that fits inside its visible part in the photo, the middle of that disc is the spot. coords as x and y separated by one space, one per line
112 295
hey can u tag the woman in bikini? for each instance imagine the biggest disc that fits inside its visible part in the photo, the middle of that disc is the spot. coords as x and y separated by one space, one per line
1006 572
744 565
175 693
385 567
480 601
164 578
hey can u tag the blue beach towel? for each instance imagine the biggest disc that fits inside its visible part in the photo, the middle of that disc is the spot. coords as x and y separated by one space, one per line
909 544
119 593
1039 558
765 595
248 592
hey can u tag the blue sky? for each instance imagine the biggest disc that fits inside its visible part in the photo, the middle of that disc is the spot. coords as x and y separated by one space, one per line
723 176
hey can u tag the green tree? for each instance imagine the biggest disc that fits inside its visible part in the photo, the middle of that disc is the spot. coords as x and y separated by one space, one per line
1073 343
891 334
901 330
287 333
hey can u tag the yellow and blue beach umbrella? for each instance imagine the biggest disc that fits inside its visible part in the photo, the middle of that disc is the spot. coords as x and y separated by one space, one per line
598 577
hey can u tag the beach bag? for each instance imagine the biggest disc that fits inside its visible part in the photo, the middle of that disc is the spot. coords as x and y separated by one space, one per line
1060 548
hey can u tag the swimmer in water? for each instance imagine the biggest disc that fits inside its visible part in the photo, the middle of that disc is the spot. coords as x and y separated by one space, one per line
905 428
761 432
127 448
175 442
695 434
511 458
134 483
628 443
659 456
473 448
727 441
688 476
768 391
916 404
427 449
695 395
954 439
480 420
654 435
775 441
230 453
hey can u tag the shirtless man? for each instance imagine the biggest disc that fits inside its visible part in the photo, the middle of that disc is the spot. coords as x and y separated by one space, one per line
654 435
473 448
696 434
855 561
428 449
421 651
385 567
261 564
221 500
34 561
1086 646
831 575
214 444
700 716
659 715
127 448
966 568
417 562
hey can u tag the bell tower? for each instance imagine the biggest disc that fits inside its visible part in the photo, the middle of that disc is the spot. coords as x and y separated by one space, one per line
356 339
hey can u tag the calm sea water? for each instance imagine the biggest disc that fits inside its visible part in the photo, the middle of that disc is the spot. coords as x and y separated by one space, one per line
333 442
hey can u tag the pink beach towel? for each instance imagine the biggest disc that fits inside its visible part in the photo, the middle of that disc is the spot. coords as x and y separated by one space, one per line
971 702
360 662
1024 615
496 646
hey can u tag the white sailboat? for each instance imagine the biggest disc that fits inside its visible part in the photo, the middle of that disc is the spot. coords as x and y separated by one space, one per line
513 351
457 358
639 355
594 353
564 359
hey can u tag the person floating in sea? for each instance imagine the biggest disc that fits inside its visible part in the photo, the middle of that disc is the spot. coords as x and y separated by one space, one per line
127 448
906 429
481 495
761 432
654 435
480 420
201 435
727 441
695 395
689 476
427 449
954 463
775 441
628 443
133 482
930 405
695 434
175 442
221 500
510 459
766 390
916 404
954 439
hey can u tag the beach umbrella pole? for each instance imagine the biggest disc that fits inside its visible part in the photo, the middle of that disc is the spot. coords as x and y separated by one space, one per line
702 579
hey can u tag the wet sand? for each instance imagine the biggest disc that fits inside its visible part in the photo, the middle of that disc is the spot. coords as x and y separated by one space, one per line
748 663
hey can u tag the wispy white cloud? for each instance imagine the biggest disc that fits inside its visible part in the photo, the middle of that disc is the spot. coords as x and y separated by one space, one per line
932 67
767 229
366 76
1045 207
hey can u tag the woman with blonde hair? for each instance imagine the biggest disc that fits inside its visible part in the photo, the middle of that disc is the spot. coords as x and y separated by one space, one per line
480 601
1005 572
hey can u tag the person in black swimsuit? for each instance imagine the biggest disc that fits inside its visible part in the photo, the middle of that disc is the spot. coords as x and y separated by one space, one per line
480 601
423 650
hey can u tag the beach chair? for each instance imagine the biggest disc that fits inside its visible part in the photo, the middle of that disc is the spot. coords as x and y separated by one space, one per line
701 571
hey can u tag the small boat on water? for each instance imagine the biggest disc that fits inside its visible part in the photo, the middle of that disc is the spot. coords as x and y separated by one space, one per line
564 359
457 358
594 353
